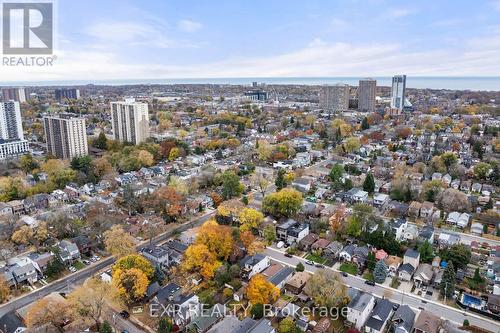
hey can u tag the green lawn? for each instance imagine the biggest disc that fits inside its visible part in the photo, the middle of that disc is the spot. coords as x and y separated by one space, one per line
315 258
78 265
349 268
368 276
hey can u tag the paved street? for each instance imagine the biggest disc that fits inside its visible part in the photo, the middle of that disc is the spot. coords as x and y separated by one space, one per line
446 312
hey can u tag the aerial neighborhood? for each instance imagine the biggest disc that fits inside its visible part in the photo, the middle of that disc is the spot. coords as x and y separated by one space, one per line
256 208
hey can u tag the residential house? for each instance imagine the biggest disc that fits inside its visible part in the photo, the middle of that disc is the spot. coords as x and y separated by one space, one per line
360 196
403 319
393 263
494 303
447 239
406 272
323 326
347 252
414 209
302 184
262 326
5 209
476 228
84 244
297 232
379 317
282 277
68 251
360 256
359 308
423 275
411 257
320 245
183 308
426 234
297 282
476 188
255 264
306 242
40 261
36 202
410 233
333 249
167 294
398 227
381 200
465 186
17 207
427 323
426 209
157 255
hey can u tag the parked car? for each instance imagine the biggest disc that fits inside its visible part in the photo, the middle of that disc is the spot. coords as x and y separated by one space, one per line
72 269
369 282
344 274
288 255
319 265
86 262
124 314
280 244
309 262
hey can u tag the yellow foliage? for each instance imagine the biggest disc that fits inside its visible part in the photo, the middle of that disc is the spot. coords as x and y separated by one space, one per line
261 291
131 283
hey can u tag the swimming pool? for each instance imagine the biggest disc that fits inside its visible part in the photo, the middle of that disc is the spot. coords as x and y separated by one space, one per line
472 301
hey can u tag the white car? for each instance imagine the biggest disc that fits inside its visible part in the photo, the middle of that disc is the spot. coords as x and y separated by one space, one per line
72 269
280 244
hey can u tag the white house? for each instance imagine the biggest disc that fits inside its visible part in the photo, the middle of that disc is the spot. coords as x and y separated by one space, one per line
360 196
381 200
255 264
359 308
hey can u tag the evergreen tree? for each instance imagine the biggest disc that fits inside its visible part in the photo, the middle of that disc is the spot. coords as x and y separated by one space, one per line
336 175
280 179
106 328
447 286
369 183
380 271
371 261
426 252
300 267
101 142
165 325
364 124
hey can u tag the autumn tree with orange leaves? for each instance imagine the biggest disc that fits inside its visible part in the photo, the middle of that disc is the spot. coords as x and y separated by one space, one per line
261 291
48 311
337 218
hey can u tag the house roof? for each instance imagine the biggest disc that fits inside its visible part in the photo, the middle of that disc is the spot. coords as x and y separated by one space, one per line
428 322
309 239
407 268
299 279
404 317
360 301
380 314
393 260
412 254
281 275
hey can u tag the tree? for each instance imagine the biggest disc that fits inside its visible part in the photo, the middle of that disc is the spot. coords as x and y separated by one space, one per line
260 291
286 202
165 325
447 286
477 282
269 233
300 267
371 261
280 179
364 124
352 144
89 300
131 284
106 327
380 271
353 228
287 325
23 235
369 183
217 238
231 186
336 220
250 219
101 142
173 154
426 252
4 290
118 242
336 176
257 311
449 158
135 261
452 199
481 170
198 258
459 254
261 183
28 163
431 189
55 266
48 311
326 288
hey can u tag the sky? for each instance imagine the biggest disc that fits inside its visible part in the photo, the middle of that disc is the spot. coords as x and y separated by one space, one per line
156 39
